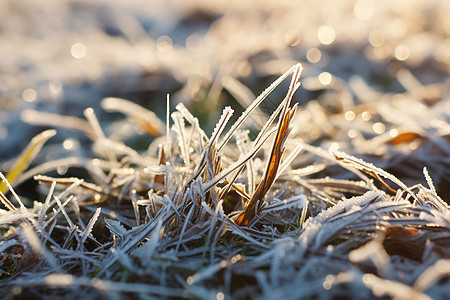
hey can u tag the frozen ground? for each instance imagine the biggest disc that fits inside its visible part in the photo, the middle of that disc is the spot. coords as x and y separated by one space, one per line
375 85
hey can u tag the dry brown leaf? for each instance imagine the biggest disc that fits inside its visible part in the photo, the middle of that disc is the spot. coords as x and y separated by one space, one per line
405 137
255 203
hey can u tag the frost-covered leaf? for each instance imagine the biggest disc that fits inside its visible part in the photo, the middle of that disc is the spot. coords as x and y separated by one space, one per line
115 227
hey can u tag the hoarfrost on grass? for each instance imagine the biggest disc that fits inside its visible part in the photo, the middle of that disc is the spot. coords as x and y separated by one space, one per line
357 220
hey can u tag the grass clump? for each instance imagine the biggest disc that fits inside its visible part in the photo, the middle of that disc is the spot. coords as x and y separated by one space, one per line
198 216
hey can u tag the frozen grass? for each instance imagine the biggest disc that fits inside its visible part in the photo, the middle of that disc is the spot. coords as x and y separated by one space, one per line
225 216
330 192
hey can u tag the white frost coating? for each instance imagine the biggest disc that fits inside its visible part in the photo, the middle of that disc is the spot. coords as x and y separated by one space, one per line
157 170
115 227
297 202
227 113
180 130
429 180
89 227
368 167
12 216
10 188
342 206
296 68
146 251
313 229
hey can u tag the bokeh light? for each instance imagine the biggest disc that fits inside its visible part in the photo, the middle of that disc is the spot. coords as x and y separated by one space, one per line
78 50
352 133
29 95
325 78
366 116
55 87
350 115
376 38
164 43
326 34
393 132
402 52
364 9
313 55
378 127
68 144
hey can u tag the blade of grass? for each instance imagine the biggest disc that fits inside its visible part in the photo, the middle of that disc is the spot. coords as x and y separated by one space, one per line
25 158
371 169
297 68
283 130
146 118
41 118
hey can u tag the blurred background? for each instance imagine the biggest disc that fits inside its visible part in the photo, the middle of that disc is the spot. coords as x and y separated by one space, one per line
375 79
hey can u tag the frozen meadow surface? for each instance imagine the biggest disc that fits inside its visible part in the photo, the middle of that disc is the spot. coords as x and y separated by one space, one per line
338 187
